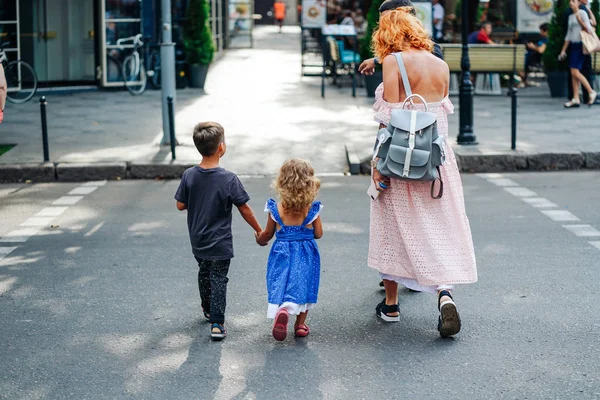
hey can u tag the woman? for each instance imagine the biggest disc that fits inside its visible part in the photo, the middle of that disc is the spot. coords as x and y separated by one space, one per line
421 243
578 21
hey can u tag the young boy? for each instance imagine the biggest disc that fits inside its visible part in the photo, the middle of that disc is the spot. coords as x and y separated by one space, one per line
209 193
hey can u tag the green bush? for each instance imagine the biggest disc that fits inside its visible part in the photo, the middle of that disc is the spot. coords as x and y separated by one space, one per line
372 22
198 41
596 11
556 39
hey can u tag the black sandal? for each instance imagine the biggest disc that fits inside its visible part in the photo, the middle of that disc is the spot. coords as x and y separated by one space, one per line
217 332
449 320
383 310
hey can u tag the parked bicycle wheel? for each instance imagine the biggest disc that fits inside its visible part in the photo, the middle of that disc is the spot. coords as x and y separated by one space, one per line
155 68
22 82
134 75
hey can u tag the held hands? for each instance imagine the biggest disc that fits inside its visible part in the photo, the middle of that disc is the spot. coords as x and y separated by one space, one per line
259 240
367 67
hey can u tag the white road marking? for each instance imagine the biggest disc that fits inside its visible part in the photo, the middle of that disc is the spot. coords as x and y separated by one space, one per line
95 229
95 183
4 251
596 245
7 191
560 215
503 182
83 190
67 201
490 176
539 202
51 211
582 230
19 235
520 192
38 221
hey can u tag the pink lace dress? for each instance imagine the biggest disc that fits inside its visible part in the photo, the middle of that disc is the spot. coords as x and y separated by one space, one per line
422 243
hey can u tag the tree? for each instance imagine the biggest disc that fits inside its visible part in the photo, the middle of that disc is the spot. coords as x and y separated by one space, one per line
198 41
372 22
556 38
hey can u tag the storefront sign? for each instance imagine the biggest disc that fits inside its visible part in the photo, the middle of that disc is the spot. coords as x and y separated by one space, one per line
339 30
532 13
424 11
314 13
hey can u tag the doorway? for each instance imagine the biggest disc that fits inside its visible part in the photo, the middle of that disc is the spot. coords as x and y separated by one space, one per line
58 39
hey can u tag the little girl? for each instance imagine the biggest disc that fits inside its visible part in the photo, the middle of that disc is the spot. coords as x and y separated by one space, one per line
294 262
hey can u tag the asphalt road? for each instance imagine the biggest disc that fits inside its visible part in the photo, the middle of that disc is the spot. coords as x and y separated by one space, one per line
101 302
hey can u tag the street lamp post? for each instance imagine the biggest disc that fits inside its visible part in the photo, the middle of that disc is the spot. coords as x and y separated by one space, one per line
465 134
167 56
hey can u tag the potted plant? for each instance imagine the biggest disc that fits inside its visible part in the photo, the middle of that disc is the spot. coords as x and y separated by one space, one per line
198 42
556 71
366 52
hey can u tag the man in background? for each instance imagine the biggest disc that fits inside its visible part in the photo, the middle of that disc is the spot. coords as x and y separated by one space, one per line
279 11
438 21
482 36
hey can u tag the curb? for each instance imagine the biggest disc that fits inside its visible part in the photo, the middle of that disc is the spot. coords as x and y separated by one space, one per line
502 162
77 172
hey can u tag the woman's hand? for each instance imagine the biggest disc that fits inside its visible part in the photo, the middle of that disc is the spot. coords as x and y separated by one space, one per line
381 182
562 55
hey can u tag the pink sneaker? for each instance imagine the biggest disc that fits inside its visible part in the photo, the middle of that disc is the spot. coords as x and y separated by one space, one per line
281 325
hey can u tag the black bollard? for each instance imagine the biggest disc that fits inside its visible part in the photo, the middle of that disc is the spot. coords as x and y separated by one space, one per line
171 126
513 117
43 104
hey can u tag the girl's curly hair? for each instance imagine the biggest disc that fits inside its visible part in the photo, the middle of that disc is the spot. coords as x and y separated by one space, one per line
399 30
296 185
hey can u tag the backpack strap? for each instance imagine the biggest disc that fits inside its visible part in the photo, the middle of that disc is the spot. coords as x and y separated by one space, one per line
404 75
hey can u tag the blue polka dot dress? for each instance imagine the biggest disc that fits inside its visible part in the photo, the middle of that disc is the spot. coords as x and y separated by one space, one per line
294 266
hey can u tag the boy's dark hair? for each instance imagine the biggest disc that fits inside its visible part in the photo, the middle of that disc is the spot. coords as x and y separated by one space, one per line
544 27
484 24
207 137
389 5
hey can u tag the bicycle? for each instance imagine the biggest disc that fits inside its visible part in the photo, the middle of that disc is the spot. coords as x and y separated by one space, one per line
21 79
133 70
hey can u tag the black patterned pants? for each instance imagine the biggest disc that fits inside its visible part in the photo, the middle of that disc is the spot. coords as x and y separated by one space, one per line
212 283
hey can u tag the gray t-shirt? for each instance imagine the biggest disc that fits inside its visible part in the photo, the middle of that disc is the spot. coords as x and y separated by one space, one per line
574 32
210 195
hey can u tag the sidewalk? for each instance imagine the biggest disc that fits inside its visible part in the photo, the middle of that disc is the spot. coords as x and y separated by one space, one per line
270 113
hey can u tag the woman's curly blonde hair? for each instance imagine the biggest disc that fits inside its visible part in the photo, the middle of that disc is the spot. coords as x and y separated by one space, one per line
399 30
296 185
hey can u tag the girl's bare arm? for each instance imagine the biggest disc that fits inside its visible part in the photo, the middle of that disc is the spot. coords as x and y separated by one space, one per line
267 234
318 227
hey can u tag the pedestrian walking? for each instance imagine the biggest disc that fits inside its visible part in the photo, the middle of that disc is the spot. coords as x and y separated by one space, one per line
279 11
208 193
3 92
415 240
294 265
578 21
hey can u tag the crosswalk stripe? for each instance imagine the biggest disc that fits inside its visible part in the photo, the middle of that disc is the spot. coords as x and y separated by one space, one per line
503 182
520 192
67 201
37 221
539 202
95 183
4 251
83 190
51 211
560 215
582 230
19 235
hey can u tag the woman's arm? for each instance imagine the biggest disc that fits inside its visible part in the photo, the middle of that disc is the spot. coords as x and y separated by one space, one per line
564 48
318 227
583 20
267 234
3 88
391 81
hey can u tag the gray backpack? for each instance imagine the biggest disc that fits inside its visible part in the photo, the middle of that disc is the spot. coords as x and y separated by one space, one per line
410 147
